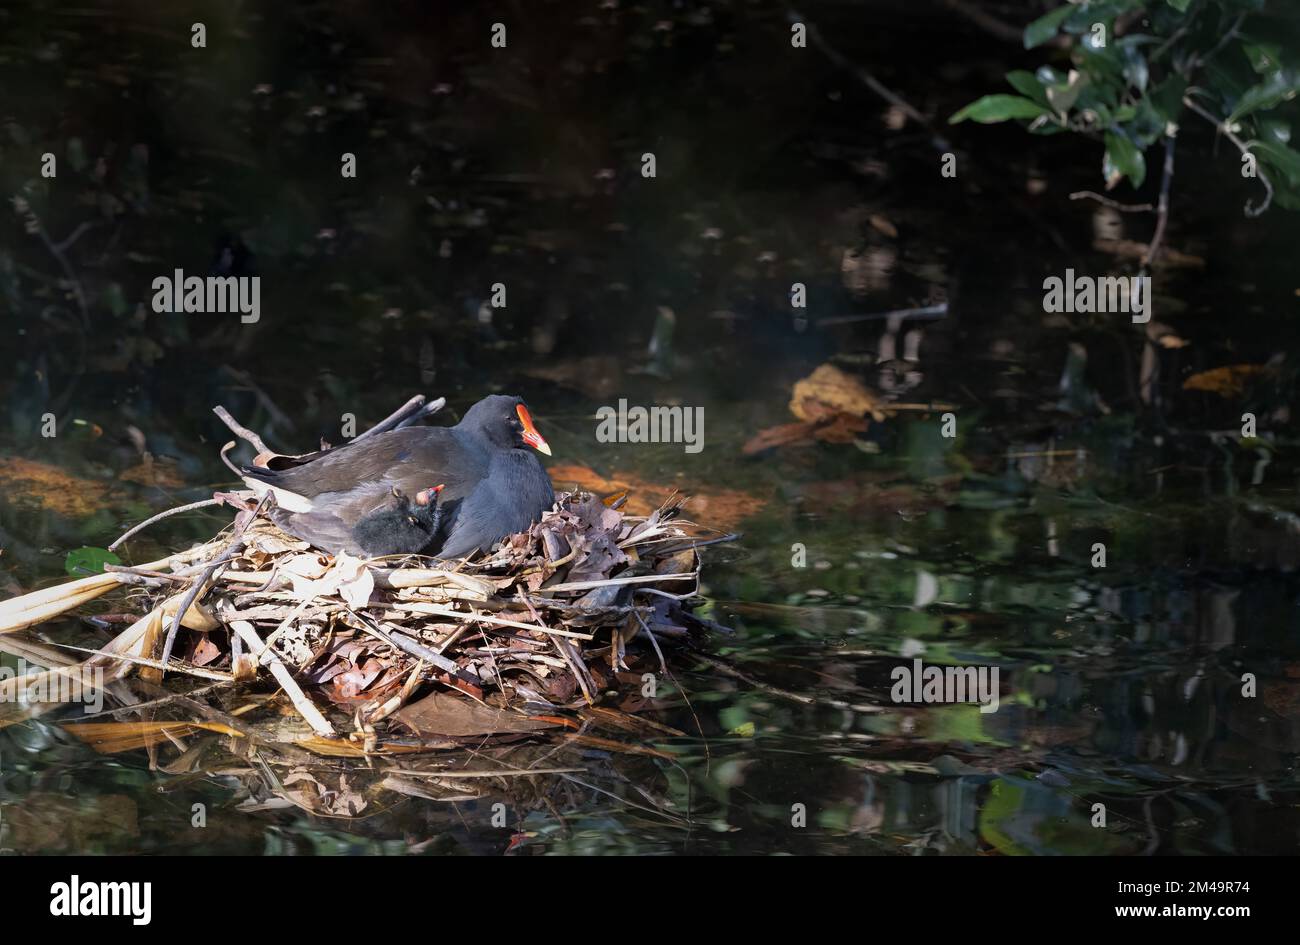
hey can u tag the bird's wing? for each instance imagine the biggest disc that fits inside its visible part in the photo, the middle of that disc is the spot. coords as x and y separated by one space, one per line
324 530
410 459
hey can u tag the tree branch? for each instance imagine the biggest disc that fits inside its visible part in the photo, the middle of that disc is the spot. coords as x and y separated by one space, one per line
1241 146
1162 210
1113 204
866 78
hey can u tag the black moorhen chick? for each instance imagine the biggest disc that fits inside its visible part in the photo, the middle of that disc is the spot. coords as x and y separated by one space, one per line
402 526
493 485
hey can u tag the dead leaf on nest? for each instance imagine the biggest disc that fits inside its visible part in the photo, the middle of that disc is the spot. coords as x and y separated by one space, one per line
351 683
1229 381
340 748
112 737
304 567
305 789
202 651
270 543
349 578
443 714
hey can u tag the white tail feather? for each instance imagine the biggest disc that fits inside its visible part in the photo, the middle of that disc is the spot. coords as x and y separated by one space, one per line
290 501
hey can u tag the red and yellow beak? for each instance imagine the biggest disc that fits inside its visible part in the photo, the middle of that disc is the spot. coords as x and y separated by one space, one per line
530 434
429 496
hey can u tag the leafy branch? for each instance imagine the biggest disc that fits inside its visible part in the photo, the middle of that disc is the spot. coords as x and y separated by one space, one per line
1124 77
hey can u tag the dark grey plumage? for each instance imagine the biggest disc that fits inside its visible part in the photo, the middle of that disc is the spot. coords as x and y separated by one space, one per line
493 484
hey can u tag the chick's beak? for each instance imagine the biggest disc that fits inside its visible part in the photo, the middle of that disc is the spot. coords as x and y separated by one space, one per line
530 434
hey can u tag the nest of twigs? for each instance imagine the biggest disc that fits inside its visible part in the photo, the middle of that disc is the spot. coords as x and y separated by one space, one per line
564 631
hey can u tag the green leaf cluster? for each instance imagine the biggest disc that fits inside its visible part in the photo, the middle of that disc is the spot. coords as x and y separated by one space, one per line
1238 60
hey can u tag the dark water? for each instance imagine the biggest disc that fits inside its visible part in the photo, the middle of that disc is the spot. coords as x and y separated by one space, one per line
1120 686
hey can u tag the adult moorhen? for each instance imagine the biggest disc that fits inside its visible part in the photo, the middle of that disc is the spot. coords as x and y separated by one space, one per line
489 485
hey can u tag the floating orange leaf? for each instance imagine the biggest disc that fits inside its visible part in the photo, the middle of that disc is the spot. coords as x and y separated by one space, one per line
1229 381
828 391
51 487
724 508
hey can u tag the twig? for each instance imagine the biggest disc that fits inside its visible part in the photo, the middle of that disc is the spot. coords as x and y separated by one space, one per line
293 615
410 647
577 667
193 594
306 708
729 670
866 78
613 582
492 660
428 410
1162 210
38 228
1174 37
411 411
276 415
156 703
1113 204
162 515
501 773
236 546
654 641
390 421
1214 50
574 661
677 597
663 668
452 637
1241 146
240 430
34 225
523 599
76 234
989 24
928 311
178 574
682 822
1162 213
186 668
421 608
143 580
229 465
